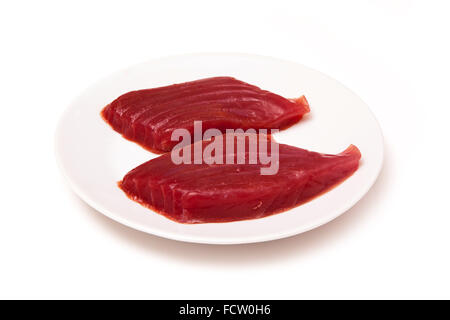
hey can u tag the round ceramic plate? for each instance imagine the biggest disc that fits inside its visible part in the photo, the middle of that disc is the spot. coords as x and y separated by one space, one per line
93 157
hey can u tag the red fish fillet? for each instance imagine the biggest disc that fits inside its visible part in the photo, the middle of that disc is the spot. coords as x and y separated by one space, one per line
201 193
149 116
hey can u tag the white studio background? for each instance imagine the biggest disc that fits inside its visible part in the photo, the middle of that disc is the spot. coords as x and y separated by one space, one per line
394 243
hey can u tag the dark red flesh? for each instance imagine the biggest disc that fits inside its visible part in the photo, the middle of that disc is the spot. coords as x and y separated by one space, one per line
148 117
202 193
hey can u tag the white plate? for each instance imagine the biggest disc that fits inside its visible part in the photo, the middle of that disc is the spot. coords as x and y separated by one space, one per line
93 157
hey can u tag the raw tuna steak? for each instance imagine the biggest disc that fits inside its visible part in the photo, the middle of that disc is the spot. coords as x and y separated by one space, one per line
201 193
149 116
